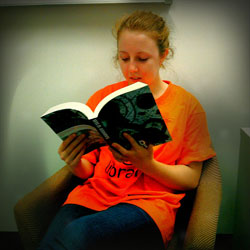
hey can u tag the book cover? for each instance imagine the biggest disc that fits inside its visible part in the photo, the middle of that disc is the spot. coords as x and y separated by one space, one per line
131 109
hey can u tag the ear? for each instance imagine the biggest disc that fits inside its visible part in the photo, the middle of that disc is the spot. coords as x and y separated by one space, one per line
163 57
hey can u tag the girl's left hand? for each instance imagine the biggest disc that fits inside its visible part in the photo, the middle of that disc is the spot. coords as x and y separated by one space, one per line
137 155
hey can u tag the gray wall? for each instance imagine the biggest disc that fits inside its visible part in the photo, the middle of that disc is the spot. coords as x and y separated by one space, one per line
54 54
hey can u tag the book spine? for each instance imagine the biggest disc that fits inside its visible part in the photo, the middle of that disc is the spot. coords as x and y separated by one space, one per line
101 130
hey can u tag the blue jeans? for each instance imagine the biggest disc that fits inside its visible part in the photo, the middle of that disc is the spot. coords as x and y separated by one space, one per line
120 227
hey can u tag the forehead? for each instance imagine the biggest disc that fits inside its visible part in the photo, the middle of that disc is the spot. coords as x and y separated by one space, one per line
136 41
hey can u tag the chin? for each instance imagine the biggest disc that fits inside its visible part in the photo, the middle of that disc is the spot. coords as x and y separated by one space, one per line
131 81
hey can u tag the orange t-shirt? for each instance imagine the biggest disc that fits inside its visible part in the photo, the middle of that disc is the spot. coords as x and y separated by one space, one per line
114 182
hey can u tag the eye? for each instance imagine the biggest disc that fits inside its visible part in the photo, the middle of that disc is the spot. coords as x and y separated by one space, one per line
125 59
143 59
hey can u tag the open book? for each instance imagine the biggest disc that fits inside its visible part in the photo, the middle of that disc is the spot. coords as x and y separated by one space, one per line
131 109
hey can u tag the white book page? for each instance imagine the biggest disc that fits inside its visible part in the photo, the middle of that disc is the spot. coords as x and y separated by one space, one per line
118 92
73 105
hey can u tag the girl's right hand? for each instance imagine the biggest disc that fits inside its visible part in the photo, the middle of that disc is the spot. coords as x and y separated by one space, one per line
72 149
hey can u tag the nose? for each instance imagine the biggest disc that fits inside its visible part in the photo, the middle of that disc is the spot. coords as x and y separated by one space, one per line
133 67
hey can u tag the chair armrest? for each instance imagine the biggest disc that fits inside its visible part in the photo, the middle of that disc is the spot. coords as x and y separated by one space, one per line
34 212
202 226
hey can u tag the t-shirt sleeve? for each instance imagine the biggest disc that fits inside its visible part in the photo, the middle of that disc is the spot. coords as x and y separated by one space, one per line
197 145
95 99
93 156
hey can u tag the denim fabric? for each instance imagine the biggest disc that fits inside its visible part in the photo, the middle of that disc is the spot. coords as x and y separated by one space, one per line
120 227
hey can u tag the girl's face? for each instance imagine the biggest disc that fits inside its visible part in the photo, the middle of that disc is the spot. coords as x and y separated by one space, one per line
139 57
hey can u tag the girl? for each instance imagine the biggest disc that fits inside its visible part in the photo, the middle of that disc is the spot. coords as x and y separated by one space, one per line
133 206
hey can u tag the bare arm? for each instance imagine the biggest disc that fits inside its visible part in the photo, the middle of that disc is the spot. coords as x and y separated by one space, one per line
178 177
71 151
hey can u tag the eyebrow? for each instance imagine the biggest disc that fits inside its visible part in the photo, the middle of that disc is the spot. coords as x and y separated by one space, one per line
140 52
121 51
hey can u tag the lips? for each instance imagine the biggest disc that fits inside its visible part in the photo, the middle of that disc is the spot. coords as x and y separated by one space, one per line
135 78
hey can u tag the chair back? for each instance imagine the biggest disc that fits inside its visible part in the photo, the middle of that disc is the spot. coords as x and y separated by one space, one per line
197 218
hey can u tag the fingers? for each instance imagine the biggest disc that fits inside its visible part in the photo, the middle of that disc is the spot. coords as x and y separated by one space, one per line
118 156
117 149
132 141
72 149
75 152
134 145
77 158
70 143
66 142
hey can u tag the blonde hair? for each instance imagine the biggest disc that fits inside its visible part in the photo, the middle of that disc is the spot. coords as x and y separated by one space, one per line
148 22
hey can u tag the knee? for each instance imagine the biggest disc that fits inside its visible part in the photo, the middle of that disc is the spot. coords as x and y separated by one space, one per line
76 236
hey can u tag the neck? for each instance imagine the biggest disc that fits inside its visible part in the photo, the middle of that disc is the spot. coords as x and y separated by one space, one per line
158 88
